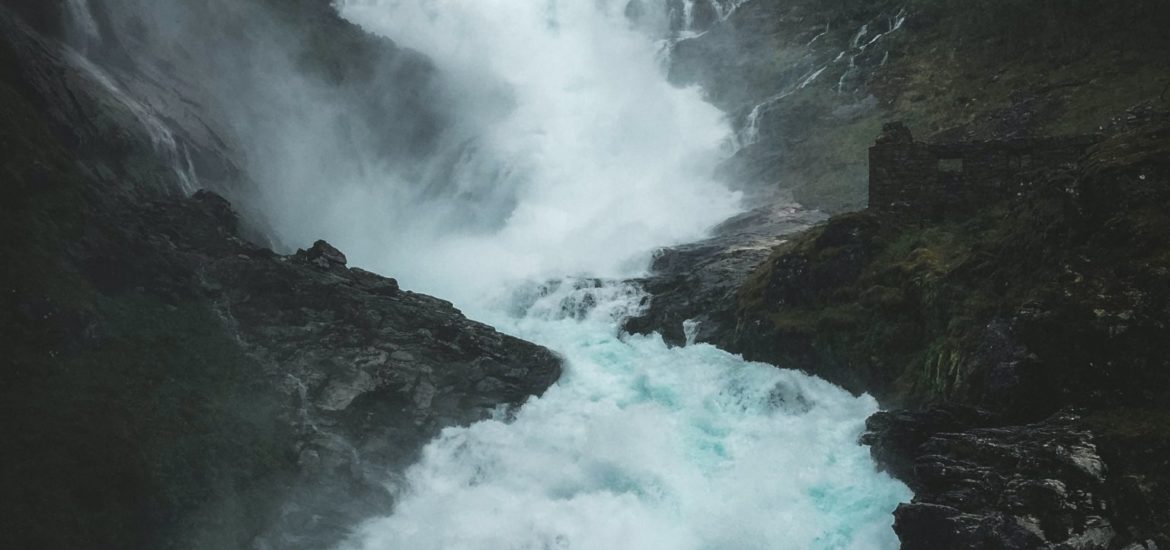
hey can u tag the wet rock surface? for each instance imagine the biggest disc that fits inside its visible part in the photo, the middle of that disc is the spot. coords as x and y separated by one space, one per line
200 390
1028 331
169 383
367 372
810 83
1007 341
692 288
981 482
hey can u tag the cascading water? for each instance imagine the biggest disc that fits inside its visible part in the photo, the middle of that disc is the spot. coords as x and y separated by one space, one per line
717 10
639 445
857 46
172 151
604 159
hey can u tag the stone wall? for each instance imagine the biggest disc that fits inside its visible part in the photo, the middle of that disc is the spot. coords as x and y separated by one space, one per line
951 178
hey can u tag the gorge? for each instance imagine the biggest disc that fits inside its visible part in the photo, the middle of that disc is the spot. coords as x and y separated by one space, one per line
689 332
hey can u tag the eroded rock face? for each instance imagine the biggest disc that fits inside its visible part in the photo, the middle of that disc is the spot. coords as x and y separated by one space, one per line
693 288
172 384
1048 302
1007 320
979 483
369 372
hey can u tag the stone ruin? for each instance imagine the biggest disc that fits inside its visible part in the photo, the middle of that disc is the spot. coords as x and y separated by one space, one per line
942 179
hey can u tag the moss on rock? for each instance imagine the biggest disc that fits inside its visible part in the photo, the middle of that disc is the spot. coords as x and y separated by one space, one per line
1052 295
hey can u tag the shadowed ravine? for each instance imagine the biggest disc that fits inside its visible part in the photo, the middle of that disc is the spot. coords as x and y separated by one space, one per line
561 274
639 445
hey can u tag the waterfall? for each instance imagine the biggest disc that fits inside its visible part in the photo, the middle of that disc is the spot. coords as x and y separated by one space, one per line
82 34
639 445
688 16
596 159
720 10
564 158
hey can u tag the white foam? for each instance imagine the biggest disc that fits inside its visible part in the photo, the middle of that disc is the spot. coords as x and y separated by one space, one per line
594 160
602 158
641 446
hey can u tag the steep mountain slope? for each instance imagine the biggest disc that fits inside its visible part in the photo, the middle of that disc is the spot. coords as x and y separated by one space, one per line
1054 301
812 81
1026 339
167 383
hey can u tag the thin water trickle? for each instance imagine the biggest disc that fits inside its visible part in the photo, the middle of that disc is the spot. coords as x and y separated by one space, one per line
162 138
81 19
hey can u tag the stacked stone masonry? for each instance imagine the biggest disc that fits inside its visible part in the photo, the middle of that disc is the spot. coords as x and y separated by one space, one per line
951 178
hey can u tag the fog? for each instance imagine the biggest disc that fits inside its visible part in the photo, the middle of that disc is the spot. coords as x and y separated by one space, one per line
497 142
476 149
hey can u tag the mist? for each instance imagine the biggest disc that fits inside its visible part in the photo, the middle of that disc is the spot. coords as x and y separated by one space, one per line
457 146
587 274
521 159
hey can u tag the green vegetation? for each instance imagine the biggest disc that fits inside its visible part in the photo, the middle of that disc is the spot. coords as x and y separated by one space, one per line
1051 68
956 70
1055 297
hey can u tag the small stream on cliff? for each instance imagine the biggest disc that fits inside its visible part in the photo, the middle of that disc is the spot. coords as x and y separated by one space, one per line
587 160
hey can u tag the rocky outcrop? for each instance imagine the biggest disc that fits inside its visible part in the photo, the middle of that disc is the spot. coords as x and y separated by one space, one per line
692 289
1035 324
1014 308
980 483
1027 486
1012 336
365 372
168 382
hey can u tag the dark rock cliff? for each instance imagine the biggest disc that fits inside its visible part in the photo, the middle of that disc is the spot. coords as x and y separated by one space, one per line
1031 296
166 383
1025 339
694 287
170 383
814 80
1039 322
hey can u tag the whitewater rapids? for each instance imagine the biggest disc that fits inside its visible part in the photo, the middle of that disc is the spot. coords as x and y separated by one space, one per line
585 159
641 446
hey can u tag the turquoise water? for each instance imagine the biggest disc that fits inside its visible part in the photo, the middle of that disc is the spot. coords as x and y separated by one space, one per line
586 159
642 446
